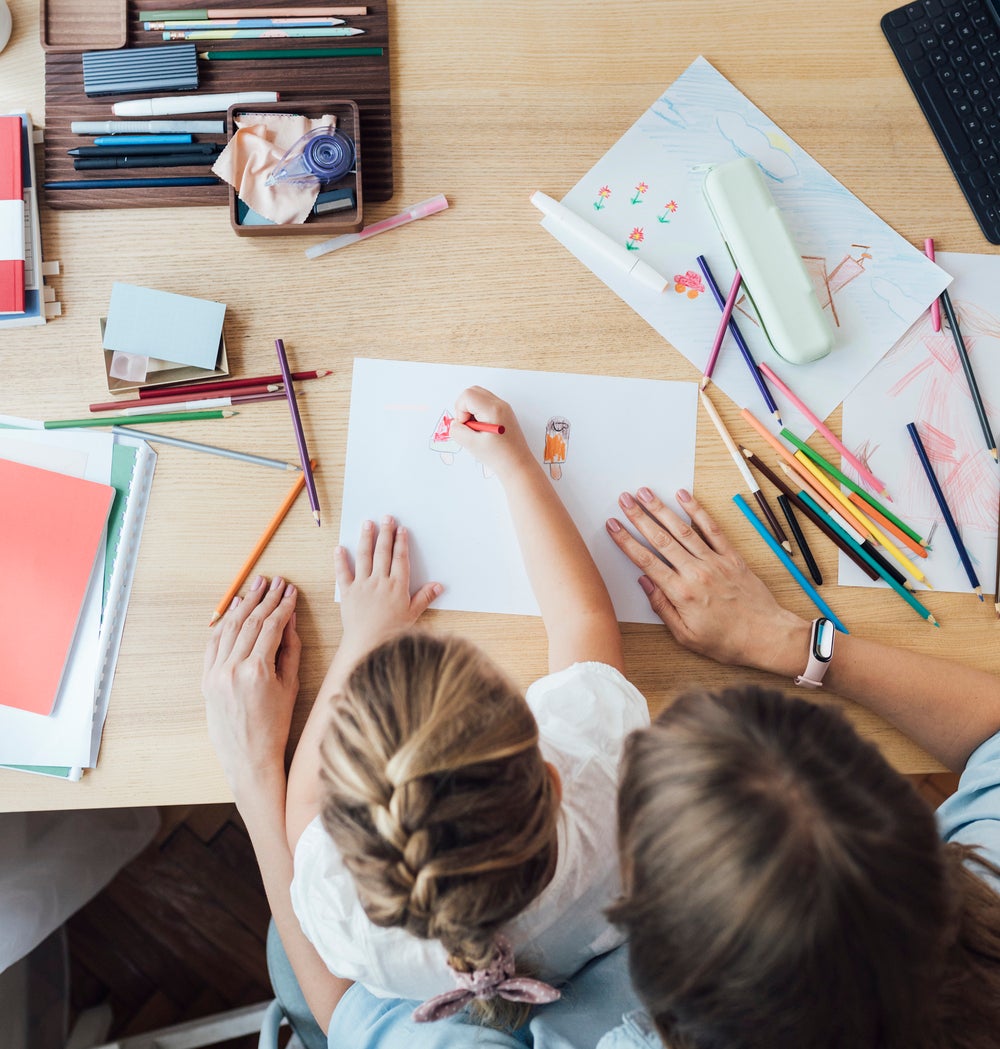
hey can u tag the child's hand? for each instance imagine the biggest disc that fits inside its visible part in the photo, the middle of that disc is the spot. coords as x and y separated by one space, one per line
502 453
250 681
375 599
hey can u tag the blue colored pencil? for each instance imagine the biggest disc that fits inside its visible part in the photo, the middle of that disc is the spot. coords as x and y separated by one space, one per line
143 140
859 549
135 183
949 520
808 588
734 330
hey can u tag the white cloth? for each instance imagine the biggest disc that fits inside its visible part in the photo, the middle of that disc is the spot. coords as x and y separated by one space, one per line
584 714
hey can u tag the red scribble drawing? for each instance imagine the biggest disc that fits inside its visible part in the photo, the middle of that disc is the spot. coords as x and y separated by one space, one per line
442 441
689 284
556 442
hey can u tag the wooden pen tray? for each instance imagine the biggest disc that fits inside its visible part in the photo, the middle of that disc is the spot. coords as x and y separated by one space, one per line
365 79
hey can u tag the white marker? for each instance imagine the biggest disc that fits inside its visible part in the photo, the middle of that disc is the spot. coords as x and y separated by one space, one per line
167 104
624 259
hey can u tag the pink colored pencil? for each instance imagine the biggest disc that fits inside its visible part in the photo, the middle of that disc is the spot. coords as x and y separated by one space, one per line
727 312
935 306
866 475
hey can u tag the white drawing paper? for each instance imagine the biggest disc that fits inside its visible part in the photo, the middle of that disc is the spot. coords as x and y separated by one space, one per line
921 380
625 433
646 194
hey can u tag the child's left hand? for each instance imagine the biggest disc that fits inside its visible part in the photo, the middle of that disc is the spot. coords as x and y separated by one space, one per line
375 600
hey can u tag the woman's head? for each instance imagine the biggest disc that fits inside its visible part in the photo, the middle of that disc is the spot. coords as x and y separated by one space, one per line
783 885
436 794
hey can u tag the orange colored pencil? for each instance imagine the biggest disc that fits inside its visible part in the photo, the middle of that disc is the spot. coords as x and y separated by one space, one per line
282 512
876 515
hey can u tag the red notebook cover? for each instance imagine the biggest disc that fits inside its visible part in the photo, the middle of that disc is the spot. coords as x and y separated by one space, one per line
11 217
51 528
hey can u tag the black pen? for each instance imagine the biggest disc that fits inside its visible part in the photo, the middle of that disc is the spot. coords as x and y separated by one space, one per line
144 150
166 160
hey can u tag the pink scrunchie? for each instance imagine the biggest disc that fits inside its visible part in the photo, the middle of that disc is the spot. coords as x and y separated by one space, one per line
496 980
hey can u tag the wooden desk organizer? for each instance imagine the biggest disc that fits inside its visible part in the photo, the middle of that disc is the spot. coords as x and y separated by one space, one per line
349 220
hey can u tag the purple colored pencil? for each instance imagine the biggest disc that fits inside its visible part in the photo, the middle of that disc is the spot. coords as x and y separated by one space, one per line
300 437
720 334
769 400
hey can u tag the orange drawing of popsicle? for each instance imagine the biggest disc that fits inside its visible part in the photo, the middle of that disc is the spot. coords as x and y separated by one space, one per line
442 441
556 440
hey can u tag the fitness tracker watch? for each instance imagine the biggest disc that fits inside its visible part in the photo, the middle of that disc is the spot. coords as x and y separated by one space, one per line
821 640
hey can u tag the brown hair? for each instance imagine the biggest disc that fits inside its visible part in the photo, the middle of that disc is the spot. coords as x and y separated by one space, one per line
784 886
437 797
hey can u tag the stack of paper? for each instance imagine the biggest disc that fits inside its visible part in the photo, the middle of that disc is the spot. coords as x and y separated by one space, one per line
60 487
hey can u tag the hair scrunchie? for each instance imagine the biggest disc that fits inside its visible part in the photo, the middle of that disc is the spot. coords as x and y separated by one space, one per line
497 980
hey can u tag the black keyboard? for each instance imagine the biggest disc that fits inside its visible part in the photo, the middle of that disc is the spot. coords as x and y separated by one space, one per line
949 51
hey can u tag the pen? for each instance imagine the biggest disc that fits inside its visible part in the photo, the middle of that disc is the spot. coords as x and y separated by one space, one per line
160 160
417 211
290 52
209 103
142 149
135 183
613 252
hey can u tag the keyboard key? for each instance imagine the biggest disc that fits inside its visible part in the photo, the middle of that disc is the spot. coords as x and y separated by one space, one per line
945 116
923 68
978 179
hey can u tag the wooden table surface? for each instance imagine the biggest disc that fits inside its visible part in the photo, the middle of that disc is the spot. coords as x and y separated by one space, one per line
490 102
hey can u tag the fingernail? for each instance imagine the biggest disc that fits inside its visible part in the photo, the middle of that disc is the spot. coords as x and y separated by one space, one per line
387 521
684 495
294 620
626 500
235 601
255 585
368 525
645 495
289 591
276 582
437 589
612 525
647 586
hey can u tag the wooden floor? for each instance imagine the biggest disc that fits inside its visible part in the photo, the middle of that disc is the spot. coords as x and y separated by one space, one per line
180 932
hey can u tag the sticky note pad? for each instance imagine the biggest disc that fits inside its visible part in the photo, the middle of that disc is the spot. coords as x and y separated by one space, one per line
51 529
151 323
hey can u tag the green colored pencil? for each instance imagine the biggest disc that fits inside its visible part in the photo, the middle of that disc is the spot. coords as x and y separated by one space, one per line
291 52
845 480
905 594
129 420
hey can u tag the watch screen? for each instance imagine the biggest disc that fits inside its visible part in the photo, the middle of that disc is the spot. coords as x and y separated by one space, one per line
825 632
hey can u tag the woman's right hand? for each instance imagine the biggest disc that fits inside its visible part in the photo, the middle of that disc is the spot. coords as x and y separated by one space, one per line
703 590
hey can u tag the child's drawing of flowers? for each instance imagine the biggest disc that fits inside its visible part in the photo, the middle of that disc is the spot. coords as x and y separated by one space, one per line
640 189
635 238
602 195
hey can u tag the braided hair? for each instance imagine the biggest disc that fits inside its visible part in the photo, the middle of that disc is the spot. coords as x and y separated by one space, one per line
438 800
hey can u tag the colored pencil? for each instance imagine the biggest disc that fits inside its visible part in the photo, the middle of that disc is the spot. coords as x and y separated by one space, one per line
152 182
111 420
260 34
866 474
300 437
935 305
157 407
172 388
793 497
247 567
970 378
204 14
475 424
240 23
880 519
291 52
946 513
807 587
996 584
185 139
905 594
744 470
734 329
192 395
871 502
720 334
807 555
210 449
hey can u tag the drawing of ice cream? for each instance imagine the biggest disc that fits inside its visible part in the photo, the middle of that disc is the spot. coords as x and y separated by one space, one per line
442 441
556 440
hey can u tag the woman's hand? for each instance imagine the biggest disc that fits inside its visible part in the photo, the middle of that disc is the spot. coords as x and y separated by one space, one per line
702 589
375 599
250 681
501 453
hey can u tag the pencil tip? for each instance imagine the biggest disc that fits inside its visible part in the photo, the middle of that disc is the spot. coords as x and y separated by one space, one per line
215 618
927 583
993 452
931 619
316 515
788 546
705 380
320 372
886 495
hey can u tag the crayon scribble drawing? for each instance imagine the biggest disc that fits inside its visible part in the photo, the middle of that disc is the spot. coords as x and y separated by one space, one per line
556 443
873 283
442 441
921 380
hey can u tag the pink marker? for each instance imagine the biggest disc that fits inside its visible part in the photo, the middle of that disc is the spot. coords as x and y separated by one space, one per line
935 307
417 211
727 312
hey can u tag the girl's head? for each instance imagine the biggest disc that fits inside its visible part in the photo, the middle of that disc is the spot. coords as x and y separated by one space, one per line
437 797
784 886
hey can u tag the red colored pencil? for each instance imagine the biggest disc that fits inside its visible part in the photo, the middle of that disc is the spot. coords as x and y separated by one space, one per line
184 394
229 384
474 424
